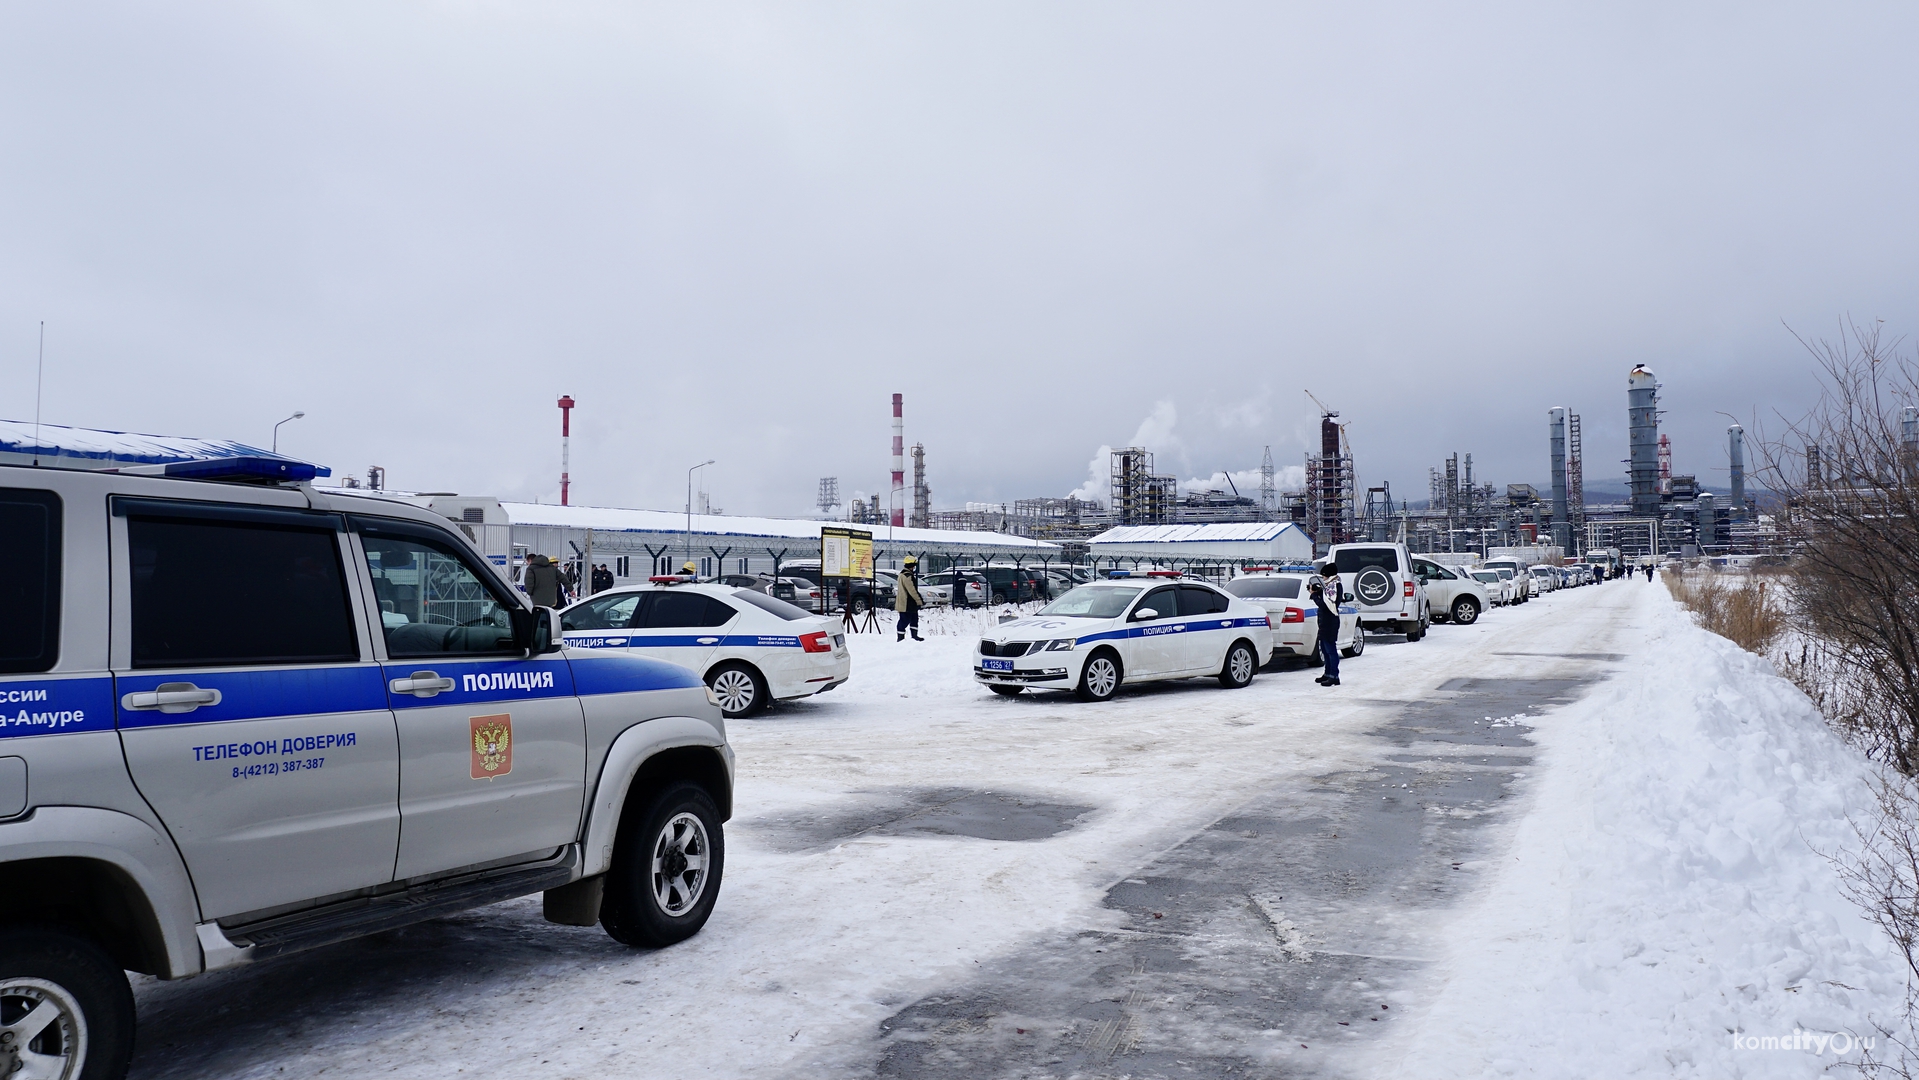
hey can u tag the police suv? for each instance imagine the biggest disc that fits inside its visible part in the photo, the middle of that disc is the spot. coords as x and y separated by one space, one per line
1130 629
750 648
240 717
1384 586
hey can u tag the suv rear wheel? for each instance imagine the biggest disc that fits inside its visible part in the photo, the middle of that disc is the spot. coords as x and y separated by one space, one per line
666 868
65 1007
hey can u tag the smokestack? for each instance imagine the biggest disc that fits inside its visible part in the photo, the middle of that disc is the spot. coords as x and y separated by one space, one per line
898 504
1562 522
1642 427
566 440
1736 457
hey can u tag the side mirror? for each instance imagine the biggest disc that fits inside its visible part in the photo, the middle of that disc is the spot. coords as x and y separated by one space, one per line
536 632
1345 597
1145 613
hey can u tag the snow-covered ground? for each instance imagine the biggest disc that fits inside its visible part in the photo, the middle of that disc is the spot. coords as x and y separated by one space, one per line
1663 908
1666 823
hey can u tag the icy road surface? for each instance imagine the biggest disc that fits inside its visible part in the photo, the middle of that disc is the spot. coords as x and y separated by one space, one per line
925 880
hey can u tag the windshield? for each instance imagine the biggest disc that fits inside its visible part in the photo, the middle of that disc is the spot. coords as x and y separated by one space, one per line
1353 560
1485 575
1093 602
1276 588
1504 574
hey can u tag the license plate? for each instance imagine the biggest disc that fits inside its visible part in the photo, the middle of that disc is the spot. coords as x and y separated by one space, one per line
996 665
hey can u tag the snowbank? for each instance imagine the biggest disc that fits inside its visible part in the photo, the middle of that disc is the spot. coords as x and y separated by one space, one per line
1663 904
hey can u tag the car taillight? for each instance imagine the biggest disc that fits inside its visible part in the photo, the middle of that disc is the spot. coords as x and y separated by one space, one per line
1409 588
1293 614
815 642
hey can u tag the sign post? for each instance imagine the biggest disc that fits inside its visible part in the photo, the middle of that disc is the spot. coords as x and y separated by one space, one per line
846 556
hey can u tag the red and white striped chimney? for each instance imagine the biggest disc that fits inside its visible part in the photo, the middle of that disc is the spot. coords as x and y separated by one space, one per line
566 443
899 463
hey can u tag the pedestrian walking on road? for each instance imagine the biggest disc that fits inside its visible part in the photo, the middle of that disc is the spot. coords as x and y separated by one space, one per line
542 581
1648 571
1328 627
906 600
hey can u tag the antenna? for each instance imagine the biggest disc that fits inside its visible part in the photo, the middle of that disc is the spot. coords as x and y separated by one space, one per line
39 379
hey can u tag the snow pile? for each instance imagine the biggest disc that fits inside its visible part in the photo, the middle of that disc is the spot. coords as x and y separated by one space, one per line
1663 907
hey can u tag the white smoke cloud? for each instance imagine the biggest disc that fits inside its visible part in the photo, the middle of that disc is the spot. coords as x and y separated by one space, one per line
1285 478
1156 433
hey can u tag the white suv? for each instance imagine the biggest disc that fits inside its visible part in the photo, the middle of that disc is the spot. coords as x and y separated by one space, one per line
250 717
1384 587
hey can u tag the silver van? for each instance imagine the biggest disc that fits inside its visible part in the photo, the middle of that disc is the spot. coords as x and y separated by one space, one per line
241 717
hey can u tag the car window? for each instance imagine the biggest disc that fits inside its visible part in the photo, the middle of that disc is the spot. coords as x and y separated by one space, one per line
604 612
1164 601
1504 575
686 609
1353 560
30 589
1093 602
773 605
1268 588
1485 575
1435 572
237 592
1200 600
432 602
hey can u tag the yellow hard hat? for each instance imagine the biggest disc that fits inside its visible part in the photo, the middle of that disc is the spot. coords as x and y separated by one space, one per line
910 561
688 568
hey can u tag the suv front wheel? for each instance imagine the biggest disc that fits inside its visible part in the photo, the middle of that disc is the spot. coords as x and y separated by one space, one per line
666 869
65 1007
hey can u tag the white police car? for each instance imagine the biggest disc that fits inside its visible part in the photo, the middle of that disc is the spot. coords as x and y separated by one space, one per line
749 647
1127 630
1295 617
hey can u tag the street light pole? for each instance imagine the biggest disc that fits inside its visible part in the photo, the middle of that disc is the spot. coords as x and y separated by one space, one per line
276 430
689 506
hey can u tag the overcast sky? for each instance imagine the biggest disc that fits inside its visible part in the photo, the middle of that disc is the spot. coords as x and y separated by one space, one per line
734 231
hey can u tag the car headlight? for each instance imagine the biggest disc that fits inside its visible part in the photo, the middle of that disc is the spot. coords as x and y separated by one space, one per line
1064 644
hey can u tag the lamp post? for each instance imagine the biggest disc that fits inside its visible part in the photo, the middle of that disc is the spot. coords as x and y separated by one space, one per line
689 506
276 430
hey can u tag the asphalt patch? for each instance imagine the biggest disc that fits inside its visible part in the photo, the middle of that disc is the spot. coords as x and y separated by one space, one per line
1271 941
982 815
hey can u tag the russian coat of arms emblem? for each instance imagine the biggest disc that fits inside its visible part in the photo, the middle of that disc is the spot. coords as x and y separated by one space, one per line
492 746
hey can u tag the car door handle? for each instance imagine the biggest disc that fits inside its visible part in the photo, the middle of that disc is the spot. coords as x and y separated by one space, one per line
707 640
171 697
420 684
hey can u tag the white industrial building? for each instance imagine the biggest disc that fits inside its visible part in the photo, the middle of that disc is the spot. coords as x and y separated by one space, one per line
636 544
1196 547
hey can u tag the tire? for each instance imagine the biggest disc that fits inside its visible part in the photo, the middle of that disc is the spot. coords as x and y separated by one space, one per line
656 895
1007 691
1099 680
740 688
999 598
1239 667
91 1015
861 605
1465 611
1359 643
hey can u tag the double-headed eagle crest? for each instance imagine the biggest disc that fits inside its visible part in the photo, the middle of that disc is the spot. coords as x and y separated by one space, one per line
492 746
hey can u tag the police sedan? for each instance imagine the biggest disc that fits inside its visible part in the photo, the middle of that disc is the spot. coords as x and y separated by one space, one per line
749 647
1287 600
1127 630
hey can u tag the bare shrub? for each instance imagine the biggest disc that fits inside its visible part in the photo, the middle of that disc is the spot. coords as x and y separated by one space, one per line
1736 608
1847 481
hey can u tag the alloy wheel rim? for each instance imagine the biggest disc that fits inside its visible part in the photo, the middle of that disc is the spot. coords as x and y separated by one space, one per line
734 689
1242 665
680 862
43 1032
1100 676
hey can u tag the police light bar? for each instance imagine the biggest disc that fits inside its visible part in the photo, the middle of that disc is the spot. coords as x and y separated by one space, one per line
1145 573
256 469
672 579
